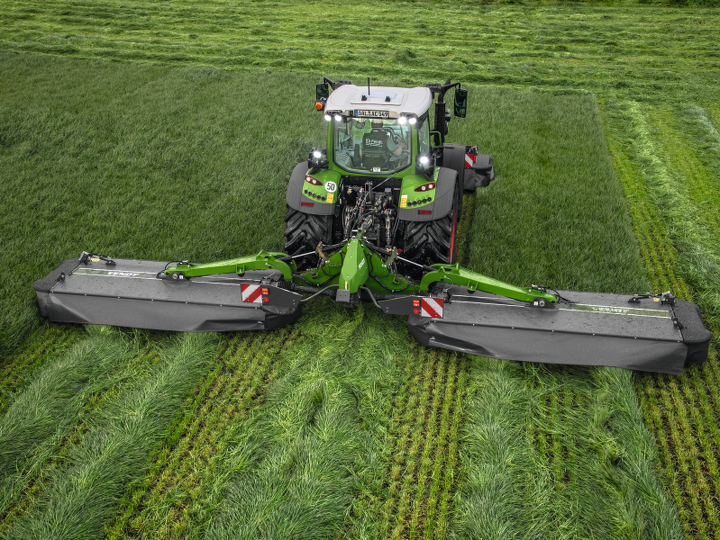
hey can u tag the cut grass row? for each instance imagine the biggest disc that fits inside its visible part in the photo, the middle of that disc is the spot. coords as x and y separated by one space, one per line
620 48
174 499
552 452
682 413
46 342
80 496
51 413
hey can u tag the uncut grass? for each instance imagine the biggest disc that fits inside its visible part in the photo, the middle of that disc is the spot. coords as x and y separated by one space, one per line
139 162
183 486
550 451
80 496
683 413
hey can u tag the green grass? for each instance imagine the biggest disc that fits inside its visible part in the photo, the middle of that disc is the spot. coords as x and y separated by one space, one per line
129 157
81 495
187 476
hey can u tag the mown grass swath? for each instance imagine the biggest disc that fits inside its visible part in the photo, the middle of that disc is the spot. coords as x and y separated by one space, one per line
47 342
618 48
678 245
321 429
81 495
42 415
183 487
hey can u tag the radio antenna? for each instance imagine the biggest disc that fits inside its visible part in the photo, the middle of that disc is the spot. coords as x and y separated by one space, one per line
368 87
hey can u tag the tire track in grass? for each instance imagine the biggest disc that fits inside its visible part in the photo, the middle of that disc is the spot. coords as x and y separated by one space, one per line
80 495
45 343
182 485
320 433
688 459
42 416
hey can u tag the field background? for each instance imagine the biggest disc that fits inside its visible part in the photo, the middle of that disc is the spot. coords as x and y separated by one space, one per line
168 129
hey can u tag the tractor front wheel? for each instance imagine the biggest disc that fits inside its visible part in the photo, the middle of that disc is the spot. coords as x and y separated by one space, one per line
303 232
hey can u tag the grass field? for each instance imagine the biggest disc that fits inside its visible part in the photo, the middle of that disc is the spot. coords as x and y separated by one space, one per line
605 137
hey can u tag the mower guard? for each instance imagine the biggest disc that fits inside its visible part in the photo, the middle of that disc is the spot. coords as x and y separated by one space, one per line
657 333
593 329
129 293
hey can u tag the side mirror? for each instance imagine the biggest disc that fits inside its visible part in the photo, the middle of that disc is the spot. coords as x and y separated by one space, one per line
423 164
460 102
317 158
322 92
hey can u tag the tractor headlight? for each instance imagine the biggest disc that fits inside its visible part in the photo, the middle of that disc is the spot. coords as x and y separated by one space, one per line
402 120
328 117
412 120
338 118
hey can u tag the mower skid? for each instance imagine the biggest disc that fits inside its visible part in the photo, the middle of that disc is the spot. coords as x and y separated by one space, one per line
594 329
129 293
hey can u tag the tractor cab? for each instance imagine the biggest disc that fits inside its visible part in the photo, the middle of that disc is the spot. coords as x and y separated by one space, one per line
378 130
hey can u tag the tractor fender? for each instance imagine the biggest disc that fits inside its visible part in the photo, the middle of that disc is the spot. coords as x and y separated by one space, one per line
442 204
479 174
314 206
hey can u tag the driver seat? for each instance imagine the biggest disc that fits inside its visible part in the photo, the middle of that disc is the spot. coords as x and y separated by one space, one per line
375 150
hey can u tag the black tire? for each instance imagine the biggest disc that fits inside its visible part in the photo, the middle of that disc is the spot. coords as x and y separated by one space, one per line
303 232
432 242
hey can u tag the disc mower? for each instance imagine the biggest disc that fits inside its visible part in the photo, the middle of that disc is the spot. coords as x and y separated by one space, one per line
373 217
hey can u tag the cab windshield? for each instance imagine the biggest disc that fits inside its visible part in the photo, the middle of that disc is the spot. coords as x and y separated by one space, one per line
371 146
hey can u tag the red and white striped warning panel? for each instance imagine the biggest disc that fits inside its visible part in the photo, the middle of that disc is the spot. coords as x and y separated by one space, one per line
469 160
250 293
432 307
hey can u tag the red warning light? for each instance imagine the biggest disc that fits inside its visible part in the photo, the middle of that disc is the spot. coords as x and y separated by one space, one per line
266 299
416 311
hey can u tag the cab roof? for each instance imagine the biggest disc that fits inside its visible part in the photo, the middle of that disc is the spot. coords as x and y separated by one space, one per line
407 101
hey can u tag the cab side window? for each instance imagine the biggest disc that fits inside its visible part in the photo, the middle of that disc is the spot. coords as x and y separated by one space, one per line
424 137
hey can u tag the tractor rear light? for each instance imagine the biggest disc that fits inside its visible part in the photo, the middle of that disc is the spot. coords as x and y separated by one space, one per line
266 291
416 303
426 187
312 180
307 203
424 211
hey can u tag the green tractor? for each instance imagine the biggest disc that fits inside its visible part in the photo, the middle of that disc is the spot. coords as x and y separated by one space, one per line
386 159
373 218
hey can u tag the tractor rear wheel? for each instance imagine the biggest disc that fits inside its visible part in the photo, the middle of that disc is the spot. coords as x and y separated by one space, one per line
303 232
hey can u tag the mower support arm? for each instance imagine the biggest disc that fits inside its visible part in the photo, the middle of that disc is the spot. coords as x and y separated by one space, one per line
262 261
454 274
